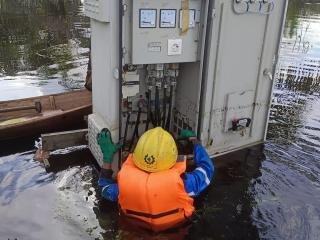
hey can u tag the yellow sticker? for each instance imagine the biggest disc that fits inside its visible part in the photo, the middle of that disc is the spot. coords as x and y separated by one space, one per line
185 16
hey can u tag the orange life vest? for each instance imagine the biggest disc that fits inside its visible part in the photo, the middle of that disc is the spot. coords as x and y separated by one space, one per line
158 199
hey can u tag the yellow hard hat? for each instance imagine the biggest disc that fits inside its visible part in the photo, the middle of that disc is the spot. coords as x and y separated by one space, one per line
156 151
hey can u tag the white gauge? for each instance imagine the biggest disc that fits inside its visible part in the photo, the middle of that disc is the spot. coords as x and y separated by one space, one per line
148 18
192 18
168 18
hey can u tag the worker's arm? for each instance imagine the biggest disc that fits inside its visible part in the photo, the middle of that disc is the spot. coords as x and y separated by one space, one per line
109 189
197 181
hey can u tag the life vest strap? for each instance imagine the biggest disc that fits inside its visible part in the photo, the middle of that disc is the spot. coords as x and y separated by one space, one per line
152 216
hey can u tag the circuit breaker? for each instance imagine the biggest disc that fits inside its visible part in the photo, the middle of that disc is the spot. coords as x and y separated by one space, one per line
158 34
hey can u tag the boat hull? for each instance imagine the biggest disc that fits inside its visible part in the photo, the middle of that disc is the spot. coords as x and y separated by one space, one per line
59 119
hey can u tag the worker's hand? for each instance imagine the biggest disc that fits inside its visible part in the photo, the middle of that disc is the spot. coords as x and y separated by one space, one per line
190 135
107 146
186 134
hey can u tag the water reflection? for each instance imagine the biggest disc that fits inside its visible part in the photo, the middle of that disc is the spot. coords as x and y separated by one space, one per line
41 205
298 77
224 212
43 40
14 181
287 194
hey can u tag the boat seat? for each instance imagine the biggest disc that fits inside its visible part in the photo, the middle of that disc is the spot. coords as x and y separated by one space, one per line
28 118
13 121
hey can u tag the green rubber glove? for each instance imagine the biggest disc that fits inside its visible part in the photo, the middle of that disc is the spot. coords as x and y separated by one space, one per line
107 146
186 134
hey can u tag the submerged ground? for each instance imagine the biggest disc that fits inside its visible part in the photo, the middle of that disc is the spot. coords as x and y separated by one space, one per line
267 192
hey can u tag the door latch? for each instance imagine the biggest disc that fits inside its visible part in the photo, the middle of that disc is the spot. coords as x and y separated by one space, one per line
239 124
267 73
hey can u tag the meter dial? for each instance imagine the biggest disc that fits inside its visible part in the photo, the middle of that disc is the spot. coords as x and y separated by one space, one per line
168 18
192 18
148 18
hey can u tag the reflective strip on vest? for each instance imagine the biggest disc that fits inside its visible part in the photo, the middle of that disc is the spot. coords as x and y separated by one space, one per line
153 216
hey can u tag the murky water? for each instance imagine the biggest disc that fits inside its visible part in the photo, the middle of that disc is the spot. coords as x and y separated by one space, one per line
266 192
44 47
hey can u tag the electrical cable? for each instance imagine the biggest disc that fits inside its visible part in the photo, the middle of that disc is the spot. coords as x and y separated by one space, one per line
170 108
164 107
126 127
136 129
148 110
157 107
150 117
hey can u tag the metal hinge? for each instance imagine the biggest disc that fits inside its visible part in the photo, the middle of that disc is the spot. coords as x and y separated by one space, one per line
123 52
124 7
213 14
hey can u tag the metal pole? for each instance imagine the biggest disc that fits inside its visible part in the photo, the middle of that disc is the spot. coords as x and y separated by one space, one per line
120 78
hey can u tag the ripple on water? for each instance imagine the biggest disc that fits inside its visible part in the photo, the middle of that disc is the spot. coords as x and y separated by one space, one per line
14 179
41 205
286 201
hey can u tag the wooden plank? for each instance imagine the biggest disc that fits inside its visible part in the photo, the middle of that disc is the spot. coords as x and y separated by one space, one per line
65 120
60 140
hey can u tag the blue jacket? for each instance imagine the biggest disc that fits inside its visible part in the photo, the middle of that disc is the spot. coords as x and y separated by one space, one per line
195 182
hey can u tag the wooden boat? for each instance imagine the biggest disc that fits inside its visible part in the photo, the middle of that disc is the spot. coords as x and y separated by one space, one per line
31 117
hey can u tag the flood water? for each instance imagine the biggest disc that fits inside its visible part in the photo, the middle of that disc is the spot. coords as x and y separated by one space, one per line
43 47
266 192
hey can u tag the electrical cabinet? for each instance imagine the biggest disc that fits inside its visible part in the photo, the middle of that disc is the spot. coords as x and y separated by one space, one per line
98 9
203 65
157 34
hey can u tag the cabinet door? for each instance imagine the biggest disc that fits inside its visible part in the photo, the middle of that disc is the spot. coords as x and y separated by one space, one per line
243 49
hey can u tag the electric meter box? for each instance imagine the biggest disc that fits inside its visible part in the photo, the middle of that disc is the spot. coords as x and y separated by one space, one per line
157 34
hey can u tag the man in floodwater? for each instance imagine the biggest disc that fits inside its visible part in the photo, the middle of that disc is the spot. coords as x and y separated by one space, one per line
153 185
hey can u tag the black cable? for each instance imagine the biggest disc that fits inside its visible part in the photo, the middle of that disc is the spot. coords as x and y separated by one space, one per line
170 108
157 107
164 107
126 128
148 96
136 129
152 118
